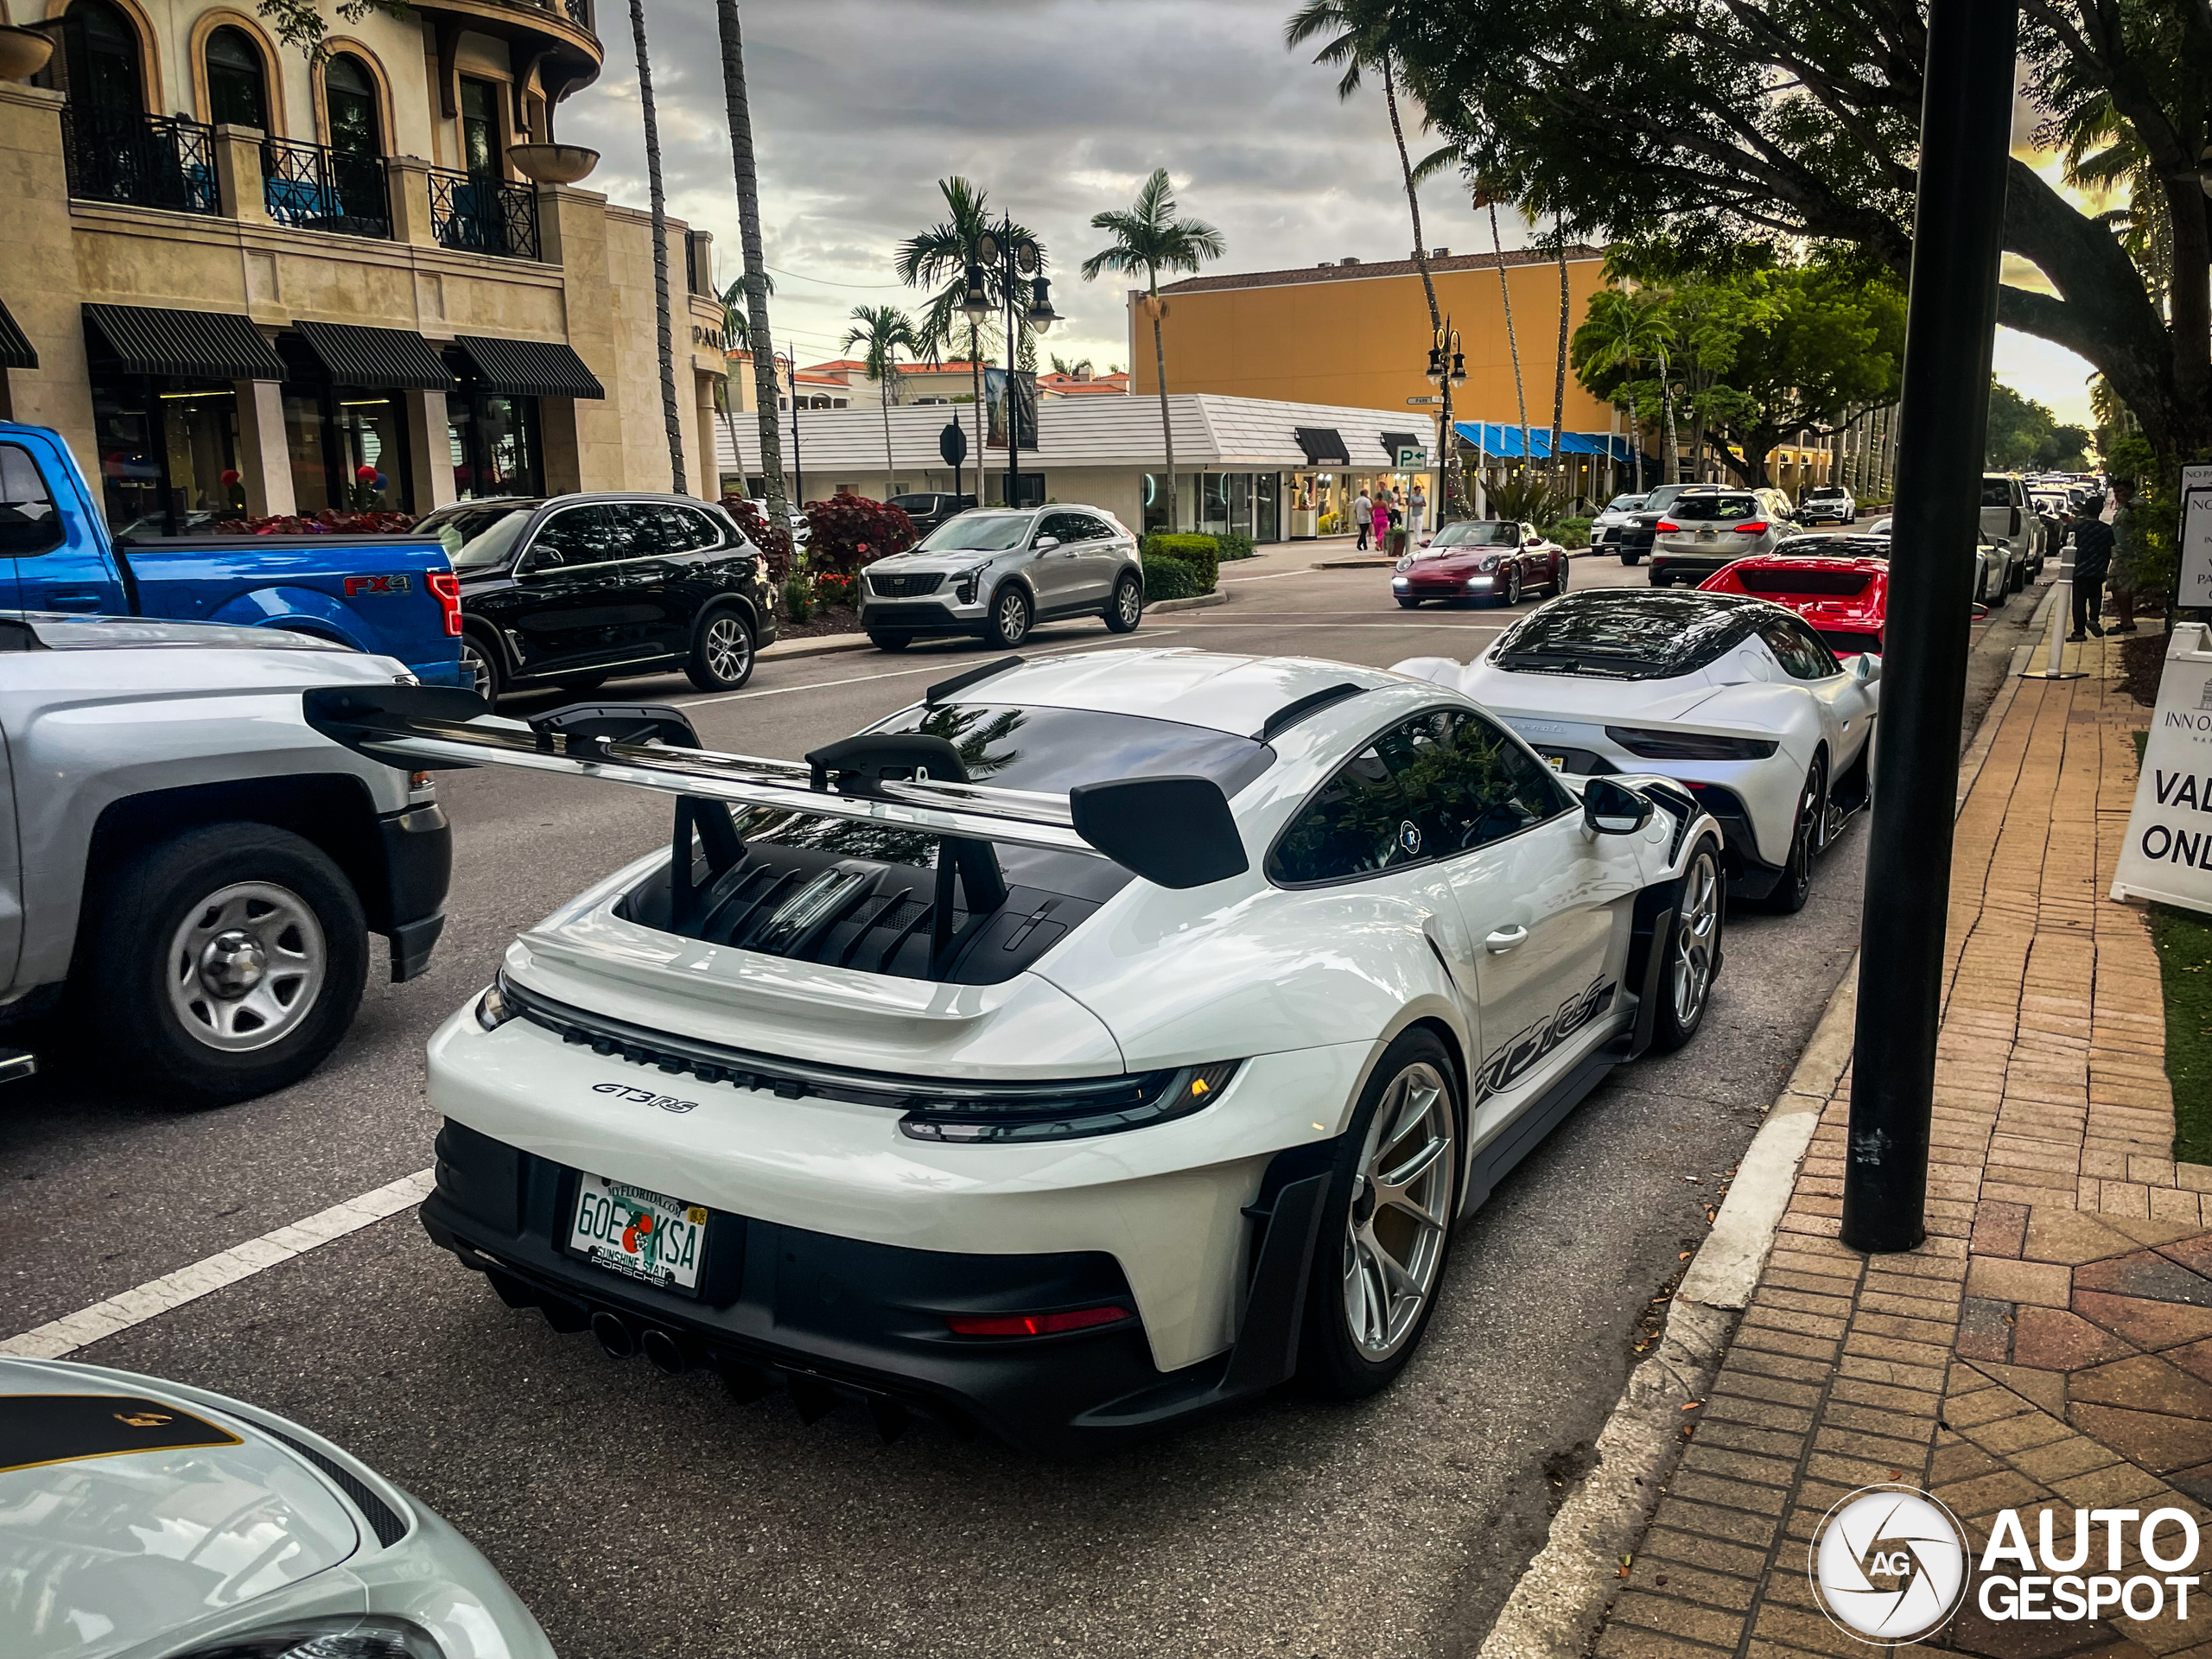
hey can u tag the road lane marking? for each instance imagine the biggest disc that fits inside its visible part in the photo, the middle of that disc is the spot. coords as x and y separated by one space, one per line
187 1284
938 667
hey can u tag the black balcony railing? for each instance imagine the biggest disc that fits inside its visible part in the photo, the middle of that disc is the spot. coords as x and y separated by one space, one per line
479 214
313 188
145 161
579 12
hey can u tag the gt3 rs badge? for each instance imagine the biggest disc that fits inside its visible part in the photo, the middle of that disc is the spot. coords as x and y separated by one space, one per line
644 1097
1513 1057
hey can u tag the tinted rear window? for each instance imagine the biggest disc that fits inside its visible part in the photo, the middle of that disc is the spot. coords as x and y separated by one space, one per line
1716 509
1996 493
1628 635
1833 583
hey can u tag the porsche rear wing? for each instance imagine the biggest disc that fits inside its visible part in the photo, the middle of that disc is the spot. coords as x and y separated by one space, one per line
1176 831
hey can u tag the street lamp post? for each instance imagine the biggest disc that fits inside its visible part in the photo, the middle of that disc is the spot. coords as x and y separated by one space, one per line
1951 326
1021 262
1448 367
798 470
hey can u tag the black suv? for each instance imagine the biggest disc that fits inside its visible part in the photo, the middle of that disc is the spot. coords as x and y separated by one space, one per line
929 508
572 590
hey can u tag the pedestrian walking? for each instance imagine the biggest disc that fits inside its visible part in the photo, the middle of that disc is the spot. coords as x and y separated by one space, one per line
1363 515
2127 554
1416 509
2093 541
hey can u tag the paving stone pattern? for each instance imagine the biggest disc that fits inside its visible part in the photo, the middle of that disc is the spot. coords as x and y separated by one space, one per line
2051 1345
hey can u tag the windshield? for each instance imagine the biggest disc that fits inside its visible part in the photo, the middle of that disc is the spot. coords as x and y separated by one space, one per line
978 532
479 538
1624 504
1662 497
1478 532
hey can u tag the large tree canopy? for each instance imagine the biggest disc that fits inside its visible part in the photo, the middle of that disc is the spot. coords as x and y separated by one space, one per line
1713 123
2024 436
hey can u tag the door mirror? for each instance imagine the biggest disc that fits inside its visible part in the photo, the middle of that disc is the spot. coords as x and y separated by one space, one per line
1612 808
1046 543
1866 668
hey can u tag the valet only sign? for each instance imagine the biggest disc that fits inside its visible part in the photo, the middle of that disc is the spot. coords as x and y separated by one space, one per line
2168 852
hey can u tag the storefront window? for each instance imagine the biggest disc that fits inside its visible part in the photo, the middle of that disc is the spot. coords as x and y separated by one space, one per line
372 434
310 457
495 445
168 453
1155 503
1267 507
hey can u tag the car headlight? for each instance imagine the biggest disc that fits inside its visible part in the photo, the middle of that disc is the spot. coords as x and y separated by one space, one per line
327 1638
1489 563
495 1008
1690 746
1406 562
965 582
1070 1109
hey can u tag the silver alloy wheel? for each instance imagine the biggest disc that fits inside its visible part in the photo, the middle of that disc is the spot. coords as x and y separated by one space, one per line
1401 1205
729 648
1129 600
1513 585
1696 930
245 968
1012 616
479 666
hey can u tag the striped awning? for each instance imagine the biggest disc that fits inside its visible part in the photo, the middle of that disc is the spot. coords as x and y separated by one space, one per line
528 368
16 351
197 345
375 359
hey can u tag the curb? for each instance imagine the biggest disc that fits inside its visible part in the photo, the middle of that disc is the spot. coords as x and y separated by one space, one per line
1352 564
823 644
1202 602
1567 1588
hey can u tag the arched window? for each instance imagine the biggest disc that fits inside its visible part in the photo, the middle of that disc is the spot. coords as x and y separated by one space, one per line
349 98
238 81
102 50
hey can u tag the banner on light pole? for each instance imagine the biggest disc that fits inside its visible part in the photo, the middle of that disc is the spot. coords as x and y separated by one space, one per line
2168 852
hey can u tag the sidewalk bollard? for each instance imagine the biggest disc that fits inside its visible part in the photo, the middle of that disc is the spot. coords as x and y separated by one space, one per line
2061 616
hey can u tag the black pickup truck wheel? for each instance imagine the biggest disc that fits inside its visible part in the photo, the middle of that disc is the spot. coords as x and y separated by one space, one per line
228 961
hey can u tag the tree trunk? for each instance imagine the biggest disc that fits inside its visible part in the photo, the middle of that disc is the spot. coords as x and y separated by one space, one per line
671 412
1671 465
1520 395
1160 371
1559 379
1444 433
756 265
883 395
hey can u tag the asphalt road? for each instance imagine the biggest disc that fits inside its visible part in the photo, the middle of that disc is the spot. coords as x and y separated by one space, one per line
638 1514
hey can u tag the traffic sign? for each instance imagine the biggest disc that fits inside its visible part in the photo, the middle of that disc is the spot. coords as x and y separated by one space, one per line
1433 397
1411 455
953 443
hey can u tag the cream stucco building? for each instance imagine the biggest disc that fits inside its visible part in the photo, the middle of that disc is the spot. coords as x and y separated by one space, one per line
238 280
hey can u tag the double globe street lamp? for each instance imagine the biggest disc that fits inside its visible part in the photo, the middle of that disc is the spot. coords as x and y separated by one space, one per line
1448 367
1019 261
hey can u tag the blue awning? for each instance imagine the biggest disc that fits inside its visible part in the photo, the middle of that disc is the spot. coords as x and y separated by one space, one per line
1504 439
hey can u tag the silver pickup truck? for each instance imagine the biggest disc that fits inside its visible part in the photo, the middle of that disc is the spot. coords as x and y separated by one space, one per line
188 873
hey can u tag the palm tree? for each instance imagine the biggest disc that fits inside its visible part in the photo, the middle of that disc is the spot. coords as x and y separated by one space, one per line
1359 41
1559 378
1148 238
1625 331
943 255
737 336
1483 198
756 265
672 413
880 331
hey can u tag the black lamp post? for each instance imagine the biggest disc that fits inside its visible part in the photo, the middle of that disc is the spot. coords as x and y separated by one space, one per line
1019 260
1448 367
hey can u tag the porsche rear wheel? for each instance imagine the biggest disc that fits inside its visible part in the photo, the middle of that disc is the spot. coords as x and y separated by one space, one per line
1693 952
1388 1224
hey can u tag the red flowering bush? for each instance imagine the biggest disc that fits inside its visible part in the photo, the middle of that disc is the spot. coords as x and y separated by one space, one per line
830 588
775 541
326 522
851 531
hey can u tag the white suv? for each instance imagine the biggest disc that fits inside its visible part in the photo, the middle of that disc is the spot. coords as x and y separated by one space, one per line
2009 517
997 572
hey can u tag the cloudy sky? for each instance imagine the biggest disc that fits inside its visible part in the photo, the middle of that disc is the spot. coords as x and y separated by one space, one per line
1059 109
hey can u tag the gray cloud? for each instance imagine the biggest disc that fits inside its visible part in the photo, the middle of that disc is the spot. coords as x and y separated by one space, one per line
1057 107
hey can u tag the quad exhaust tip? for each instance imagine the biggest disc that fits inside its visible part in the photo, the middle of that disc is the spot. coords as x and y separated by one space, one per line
664 1351
613 1335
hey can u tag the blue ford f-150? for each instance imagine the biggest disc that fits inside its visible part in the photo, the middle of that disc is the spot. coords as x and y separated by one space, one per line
392 595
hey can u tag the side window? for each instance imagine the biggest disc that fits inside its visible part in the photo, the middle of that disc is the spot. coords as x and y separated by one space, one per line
1475 784
1065 526
1357 823
579 536
28 522
1802 658
1094 530
706 529
1818 656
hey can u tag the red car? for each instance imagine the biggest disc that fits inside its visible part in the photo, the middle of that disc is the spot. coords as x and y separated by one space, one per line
1493 560
1845 595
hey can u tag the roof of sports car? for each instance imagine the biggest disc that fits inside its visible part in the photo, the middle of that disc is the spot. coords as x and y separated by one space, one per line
1633 633
1197 688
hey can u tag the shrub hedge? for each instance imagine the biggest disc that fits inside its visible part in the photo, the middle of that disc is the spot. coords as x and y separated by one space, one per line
1201 553
1570 532
851 531
1235 544
1167 578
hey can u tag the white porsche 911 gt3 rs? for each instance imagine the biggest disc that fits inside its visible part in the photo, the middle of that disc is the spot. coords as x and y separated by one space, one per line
1736 697
1098 1041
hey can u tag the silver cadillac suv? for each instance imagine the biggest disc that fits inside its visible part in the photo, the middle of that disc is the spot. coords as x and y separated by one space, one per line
996 573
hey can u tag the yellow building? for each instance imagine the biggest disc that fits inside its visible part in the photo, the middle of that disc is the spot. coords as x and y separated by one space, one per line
241 282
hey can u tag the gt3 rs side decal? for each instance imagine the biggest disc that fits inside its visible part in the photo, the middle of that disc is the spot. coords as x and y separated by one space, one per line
1512 1058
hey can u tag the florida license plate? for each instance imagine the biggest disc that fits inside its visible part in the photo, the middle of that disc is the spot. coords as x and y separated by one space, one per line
641 1234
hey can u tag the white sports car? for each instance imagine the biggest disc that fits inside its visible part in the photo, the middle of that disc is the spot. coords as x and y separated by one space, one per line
145 1520
1734 696
1096 1041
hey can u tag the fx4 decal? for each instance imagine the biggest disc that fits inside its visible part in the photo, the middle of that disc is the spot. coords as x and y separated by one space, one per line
1513 1057
644 1097
397 583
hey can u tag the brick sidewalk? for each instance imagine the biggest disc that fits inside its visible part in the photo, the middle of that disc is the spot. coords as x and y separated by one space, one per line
2051 1343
